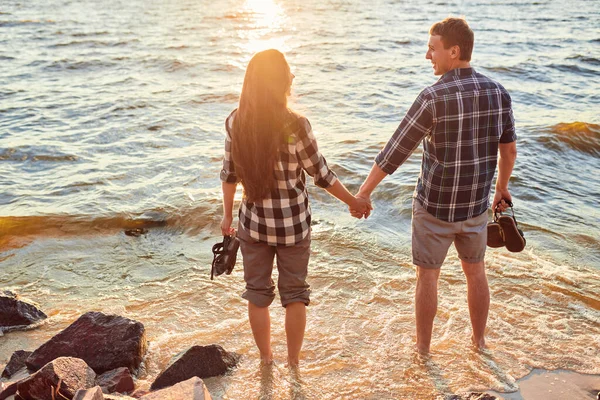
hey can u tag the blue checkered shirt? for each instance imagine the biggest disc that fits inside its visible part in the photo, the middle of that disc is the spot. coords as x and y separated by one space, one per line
460 119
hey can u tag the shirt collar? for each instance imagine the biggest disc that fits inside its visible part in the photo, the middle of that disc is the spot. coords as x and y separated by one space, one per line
458 72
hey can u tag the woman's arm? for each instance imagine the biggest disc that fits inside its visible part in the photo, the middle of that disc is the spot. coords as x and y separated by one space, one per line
228 195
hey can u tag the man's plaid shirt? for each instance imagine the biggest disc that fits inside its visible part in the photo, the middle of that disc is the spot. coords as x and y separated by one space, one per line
283 218
462 117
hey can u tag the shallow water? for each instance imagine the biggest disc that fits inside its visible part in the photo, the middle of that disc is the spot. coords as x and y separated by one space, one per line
112 118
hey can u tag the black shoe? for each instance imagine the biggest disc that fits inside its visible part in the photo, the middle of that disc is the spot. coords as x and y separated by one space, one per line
224 256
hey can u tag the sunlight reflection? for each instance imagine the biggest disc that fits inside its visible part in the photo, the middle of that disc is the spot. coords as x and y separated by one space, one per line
265 20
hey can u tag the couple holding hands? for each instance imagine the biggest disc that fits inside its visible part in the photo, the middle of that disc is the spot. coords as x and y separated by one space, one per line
466 124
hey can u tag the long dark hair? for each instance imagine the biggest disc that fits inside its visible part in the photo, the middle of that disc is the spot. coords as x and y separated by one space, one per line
258 127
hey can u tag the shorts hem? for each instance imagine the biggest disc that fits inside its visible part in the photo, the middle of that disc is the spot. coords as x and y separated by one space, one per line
285 303
472 260
427 265
259 301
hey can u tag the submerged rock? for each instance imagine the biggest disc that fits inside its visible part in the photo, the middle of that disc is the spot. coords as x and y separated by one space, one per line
61 377
17 361
104 342
199 361
191 389
17 313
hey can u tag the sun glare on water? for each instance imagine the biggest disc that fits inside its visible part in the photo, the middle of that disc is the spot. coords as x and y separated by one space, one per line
266 21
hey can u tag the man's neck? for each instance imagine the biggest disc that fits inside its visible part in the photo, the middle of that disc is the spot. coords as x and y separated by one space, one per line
462 64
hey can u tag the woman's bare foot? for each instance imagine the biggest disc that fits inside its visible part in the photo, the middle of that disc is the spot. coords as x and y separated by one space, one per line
266 360
478 344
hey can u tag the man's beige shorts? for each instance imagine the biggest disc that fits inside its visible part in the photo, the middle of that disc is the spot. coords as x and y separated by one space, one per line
432 237
292 264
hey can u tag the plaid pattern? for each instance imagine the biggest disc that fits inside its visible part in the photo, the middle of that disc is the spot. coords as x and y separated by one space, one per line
283 218
462 117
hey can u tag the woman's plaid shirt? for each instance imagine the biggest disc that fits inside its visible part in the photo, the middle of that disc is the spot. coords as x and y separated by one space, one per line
462 117
284 217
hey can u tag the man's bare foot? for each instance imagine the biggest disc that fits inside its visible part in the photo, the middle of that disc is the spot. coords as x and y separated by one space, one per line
422 350
293 362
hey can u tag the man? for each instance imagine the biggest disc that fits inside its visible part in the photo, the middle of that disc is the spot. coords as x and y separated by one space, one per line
464 120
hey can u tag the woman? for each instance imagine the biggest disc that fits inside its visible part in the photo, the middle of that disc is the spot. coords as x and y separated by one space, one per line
268 149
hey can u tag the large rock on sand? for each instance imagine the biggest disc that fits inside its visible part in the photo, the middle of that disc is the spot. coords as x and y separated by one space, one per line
94 393
118 380
104 342
17 361
192 389
16 313
200 361
63 376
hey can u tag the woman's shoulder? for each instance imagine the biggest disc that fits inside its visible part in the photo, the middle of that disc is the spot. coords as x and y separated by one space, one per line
298 124
229 121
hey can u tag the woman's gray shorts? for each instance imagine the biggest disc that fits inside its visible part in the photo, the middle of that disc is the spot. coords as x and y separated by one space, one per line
432 237
292 264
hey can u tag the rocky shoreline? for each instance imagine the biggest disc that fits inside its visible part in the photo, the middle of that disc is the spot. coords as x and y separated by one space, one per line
98 357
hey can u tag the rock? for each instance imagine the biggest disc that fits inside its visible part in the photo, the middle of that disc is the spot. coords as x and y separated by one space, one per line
16 312
10 387
480 396
17 361
200 361
192 389
7 390
136 232
94 393
139 393
65 375
116 396
117 380
104 342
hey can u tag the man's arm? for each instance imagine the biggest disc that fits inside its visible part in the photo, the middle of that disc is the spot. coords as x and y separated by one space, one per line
375 177
228 195
416 124
506 163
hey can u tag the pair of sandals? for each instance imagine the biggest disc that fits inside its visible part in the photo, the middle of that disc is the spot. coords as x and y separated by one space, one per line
224 256
504 231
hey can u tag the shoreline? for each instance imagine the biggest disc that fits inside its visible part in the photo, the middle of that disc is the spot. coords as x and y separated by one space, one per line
560 384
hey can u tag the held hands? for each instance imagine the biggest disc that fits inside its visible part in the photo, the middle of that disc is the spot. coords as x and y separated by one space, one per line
361 207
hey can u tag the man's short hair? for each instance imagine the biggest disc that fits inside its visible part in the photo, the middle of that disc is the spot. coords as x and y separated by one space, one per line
455 31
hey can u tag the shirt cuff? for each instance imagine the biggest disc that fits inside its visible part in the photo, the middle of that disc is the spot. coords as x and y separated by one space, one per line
385 166
229 177
326 181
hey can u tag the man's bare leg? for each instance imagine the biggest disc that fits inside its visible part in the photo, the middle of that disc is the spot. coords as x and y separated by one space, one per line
478 297
425 305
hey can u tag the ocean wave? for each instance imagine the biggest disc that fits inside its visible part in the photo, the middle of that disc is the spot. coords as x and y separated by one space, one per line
227 98
86 34
93 43
589 60
14 154
21 229
25 22
574 69
66 64
580 136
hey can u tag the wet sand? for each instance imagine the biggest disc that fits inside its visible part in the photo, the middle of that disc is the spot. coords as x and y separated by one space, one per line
554 385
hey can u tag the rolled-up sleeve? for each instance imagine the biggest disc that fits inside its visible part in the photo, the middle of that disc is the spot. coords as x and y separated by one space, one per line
417 124
509 134
228 174
311 160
